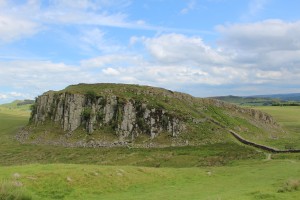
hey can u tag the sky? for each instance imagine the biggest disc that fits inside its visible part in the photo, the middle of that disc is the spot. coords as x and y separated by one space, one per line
201 47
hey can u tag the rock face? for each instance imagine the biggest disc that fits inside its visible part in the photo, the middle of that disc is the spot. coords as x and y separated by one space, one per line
127 117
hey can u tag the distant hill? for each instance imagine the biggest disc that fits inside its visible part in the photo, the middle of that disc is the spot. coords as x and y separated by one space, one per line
248 101
283 97
262 100
20 106
18 103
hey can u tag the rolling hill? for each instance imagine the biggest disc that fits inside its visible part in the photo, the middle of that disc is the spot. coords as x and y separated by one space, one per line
97 115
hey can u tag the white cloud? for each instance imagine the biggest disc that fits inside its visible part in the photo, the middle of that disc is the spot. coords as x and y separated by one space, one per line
255 7
9 96
94 40
178 48
38 76
190 6
13 28
16 94
3 96
111 71
269 44
262 36
90 4
177 59
113 60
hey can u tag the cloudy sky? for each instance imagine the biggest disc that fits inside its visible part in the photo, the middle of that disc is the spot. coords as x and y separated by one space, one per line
202 47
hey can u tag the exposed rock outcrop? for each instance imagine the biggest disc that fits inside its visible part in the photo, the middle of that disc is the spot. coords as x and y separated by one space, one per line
127 117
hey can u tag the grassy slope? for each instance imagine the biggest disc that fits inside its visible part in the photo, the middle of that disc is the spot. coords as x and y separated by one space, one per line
289 118
248 179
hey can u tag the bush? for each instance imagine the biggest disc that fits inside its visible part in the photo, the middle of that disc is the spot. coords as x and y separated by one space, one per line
86 114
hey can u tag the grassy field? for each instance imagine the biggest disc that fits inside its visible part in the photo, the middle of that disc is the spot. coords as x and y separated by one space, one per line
242 180
289 119
219 171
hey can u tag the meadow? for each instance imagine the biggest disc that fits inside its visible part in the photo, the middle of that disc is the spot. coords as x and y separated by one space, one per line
219 171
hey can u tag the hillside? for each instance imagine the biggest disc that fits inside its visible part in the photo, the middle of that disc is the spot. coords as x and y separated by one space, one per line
93 115
20 106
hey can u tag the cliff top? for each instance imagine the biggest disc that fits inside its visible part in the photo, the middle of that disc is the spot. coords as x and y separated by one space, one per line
122 90
153 96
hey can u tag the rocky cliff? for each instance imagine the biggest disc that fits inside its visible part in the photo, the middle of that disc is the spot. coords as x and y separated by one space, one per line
127 117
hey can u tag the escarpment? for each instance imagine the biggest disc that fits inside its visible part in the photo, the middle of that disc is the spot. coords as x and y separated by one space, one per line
109 114
127 117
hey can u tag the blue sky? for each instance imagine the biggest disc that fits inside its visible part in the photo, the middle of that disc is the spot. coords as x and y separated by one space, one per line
202 47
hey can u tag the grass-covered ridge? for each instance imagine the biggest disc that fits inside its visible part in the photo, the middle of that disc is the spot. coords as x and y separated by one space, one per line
199 115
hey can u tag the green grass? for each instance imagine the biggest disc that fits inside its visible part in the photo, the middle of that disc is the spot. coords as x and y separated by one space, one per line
242 180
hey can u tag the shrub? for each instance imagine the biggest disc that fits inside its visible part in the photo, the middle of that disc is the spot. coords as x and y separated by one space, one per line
86 114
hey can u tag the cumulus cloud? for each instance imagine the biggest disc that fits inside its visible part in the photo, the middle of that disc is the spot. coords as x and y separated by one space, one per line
13 28
270 45
178 48
177 59
14 95
113 60
19 20
111 71
261 36
3 96
94 39
39 76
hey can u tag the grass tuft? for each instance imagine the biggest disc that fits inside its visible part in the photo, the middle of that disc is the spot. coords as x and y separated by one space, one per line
13 190
290 186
